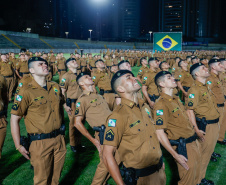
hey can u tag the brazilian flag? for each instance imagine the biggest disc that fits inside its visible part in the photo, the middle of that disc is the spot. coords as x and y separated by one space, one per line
167 41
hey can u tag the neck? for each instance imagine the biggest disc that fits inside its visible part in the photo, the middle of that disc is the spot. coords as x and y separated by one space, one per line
214 71
74 70
88 88
41 80
168 91
100 69
131 96
152 68
185 68
201 79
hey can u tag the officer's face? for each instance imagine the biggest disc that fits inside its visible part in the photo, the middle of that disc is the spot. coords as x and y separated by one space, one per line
219 67
165 65
100 64
73 64
224 64
40 68
125 66
87 80
145 62
3 57
169 82
184 64
129 83
203 72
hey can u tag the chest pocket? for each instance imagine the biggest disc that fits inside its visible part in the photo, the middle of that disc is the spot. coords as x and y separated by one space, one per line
176 114
40 105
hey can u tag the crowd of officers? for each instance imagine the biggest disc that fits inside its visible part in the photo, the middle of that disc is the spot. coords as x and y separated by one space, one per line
131 116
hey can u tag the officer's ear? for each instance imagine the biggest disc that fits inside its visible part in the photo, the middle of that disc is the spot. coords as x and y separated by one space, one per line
120 89
81 83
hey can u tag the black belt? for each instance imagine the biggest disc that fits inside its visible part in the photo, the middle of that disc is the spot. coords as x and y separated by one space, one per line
149 170
73 100
220 105
225 97
52 62
188 140
8 76
208 121
53 134
25 73
61 70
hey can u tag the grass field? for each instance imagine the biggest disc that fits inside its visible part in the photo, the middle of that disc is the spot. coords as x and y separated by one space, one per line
79 169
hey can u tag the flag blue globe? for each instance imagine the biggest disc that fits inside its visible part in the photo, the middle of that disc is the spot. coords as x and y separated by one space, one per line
166 43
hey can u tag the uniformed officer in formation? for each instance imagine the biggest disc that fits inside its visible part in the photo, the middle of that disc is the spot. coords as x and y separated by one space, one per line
72 91
144 69
3 111
41 104
175 131
93 108
130 130
204 116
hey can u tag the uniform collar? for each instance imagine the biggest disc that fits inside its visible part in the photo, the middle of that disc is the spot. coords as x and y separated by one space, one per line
213 75
168 97
35 85
199 83
85 92
131 104
70 72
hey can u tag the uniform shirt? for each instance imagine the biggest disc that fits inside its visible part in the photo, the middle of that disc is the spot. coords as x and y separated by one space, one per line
185 78
201 102
42 109
216 88
61 64
83 62
52 59
93 108
102 80
222 77
22 66
149 81
91 62
23 82
3 93
142 71
6 68
130 129
69 83
170 115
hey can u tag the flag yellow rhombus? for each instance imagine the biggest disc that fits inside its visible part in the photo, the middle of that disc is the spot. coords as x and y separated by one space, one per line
167 43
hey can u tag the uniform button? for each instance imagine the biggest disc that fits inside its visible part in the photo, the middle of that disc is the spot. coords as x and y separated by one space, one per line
178 114
153 147
53 110
150 136
146 124
138 129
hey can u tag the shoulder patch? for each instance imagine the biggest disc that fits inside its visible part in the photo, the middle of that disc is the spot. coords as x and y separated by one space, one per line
38 98
175 110
15 106
55 89
62 84
159 112
20 84
191 95
209 82
63 80
94 78
190 103
109 135
180 76
19 98
112 122
76 111
17 91
159 121
78 104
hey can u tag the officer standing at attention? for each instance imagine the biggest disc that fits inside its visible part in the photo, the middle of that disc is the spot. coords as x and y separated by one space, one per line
3 111
175 131
41 104
149 88
216 88
144 69
6 70
71 91
131 130
102 79
94 109
204 116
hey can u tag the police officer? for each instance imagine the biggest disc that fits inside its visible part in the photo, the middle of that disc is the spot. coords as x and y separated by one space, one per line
175 131
6 70
3 111
95 110
41 104
222 77
144 69
102 79
149 88
22 67
203 115
71 92
130 129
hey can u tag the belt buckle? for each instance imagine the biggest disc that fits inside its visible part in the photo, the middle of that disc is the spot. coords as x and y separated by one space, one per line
53 134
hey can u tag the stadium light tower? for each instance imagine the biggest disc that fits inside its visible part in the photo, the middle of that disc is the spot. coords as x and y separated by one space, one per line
90 31
150 32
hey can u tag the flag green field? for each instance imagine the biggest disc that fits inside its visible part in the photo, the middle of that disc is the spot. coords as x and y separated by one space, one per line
167 41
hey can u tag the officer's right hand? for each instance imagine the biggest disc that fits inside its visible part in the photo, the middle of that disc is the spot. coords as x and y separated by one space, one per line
183 161
97 144
151 104
24 152
201 135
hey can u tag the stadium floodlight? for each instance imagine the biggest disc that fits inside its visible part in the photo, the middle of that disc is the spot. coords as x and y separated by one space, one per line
90 31
150 32
98 2
66 34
